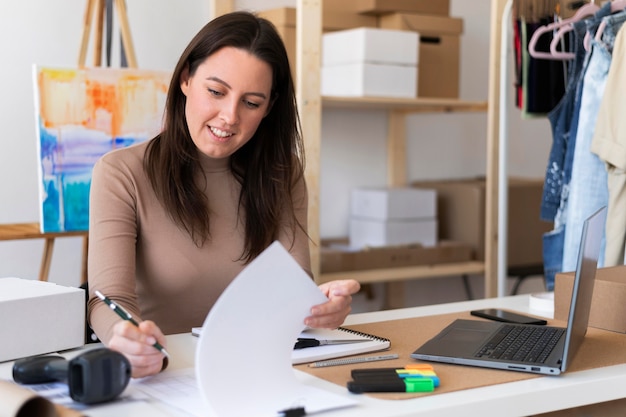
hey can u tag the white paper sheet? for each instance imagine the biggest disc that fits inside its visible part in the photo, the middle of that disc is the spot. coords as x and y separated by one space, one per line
176 388
243 357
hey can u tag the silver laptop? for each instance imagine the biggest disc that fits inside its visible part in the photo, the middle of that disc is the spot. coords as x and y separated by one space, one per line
478 343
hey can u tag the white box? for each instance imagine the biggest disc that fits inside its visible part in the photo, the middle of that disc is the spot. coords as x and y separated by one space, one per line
367 79
372 45
374 233
385 203
39 317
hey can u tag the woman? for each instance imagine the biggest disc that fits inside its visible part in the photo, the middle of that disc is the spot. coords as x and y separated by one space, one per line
175 219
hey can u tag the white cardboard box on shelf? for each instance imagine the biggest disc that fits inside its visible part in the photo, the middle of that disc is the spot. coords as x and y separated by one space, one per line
383 203
39 317
370 62
374 80
373 233
372 45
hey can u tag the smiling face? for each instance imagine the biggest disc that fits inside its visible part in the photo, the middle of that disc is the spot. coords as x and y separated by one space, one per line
227 97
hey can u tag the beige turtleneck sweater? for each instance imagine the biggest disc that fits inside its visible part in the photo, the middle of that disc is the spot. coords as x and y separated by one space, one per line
142 260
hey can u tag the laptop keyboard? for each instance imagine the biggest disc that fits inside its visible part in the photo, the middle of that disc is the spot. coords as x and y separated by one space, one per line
522 343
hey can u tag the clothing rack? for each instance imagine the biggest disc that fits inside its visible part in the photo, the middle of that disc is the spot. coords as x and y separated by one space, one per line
496 190
497 164
505 45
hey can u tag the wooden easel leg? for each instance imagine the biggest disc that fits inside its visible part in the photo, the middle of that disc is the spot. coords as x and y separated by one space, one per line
84 44
83 279
120 7
46 259
97 55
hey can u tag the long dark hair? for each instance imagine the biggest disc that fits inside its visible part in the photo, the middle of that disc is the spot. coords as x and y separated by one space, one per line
267 167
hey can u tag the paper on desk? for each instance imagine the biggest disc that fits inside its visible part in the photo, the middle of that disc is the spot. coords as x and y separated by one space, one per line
243 357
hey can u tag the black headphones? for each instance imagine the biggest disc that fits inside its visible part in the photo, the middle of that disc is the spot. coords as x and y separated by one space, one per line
95 376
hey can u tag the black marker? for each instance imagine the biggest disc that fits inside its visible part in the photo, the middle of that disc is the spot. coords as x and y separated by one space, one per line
386 385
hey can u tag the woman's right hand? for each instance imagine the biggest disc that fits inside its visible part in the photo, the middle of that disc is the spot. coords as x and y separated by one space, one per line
136 343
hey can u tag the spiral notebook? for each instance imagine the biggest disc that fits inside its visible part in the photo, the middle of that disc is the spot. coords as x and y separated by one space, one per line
318 353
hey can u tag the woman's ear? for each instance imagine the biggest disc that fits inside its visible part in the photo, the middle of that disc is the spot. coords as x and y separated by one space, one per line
184 80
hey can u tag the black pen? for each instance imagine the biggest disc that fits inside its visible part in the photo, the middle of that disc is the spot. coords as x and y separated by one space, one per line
304 342
127 316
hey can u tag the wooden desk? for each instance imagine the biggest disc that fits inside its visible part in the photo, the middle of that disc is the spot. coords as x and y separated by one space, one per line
21 231
522 398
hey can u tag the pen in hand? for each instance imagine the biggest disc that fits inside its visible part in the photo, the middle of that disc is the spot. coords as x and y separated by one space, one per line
127 316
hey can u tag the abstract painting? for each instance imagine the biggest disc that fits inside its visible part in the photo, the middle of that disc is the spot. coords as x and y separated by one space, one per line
81 115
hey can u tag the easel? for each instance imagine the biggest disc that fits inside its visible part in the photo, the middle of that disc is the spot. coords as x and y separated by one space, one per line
22 231
99 7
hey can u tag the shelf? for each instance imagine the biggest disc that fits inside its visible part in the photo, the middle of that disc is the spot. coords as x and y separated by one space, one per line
408 105
407 273
32 231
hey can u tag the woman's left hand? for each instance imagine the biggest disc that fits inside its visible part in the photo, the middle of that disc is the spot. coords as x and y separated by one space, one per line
332 313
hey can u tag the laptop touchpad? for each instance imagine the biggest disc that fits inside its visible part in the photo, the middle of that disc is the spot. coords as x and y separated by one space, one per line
463 335
456 339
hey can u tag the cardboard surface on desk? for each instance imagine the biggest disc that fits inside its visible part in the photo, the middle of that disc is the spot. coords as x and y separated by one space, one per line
600 348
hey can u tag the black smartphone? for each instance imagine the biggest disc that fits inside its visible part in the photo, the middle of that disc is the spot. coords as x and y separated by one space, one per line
506 316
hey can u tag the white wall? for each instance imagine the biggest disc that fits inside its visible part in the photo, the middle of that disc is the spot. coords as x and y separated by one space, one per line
353 143
49 33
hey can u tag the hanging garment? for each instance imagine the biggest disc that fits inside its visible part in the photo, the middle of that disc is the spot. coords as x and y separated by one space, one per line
539 83
543 81
517 52
564 122
564 119
588 186
609 143
588 189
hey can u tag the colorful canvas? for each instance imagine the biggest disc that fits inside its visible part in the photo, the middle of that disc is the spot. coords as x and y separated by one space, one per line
81 115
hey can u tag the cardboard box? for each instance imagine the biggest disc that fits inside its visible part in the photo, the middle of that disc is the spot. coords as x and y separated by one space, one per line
378 7
368 45
331 20
337 256
398 203
367 233
369 80
284 19
461 216
39 317
439 51
608 310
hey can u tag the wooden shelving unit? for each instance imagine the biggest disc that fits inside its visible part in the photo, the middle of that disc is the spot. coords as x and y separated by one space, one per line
414 105
407 273
310 105
397 110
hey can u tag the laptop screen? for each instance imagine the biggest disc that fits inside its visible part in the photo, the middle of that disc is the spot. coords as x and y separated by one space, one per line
589 252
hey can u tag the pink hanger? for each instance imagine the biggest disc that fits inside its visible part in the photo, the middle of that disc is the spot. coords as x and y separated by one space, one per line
586 10
616 6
